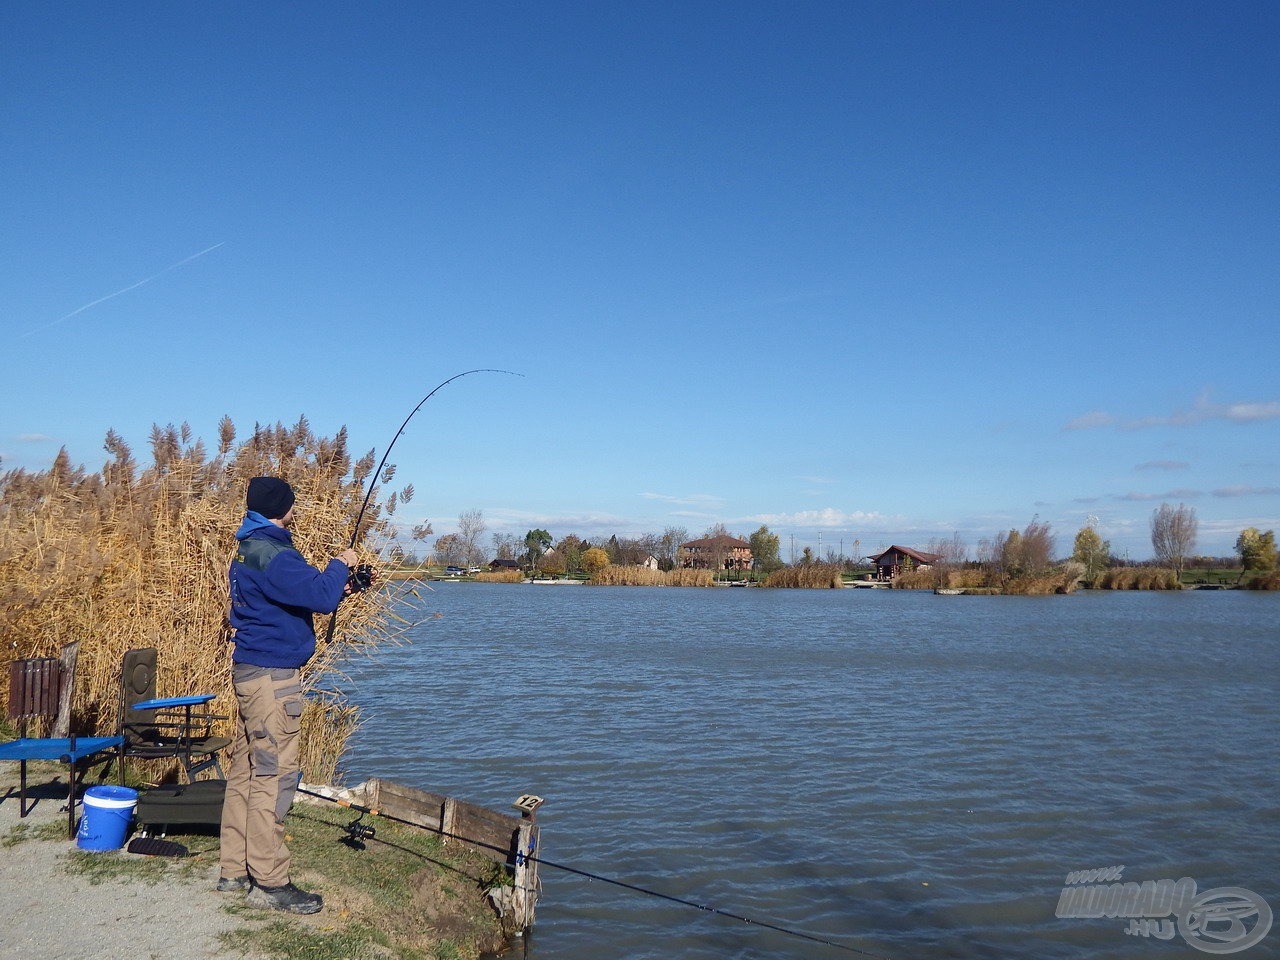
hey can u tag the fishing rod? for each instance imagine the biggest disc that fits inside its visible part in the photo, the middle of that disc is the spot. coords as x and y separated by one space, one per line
529 857
373 483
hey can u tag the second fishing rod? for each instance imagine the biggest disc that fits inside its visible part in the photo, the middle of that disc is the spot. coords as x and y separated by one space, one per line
361 576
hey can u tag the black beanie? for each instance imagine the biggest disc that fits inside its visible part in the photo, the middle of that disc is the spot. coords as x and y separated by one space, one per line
269 496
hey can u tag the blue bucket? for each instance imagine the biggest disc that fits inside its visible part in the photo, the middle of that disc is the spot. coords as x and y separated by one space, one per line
107 814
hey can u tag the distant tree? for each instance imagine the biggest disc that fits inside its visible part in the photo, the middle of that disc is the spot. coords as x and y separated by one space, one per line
594 560
552 564
1091 551
669 544
952 552
536 543
505 546
1010 554
765 548
806 559
471 528
571 548
628 552
1257 549
451 549
1173 534
1038 544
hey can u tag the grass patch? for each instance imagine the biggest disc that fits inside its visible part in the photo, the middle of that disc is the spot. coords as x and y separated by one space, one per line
405 895
283 938
49 830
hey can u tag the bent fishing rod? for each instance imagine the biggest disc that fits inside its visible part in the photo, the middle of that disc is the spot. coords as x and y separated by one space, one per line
373 482
527 856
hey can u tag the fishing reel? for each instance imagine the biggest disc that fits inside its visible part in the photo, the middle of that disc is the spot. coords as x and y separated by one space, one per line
360 579
358 832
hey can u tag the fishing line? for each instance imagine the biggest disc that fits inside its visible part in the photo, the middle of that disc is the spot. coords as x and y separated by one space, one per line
522 856
373 482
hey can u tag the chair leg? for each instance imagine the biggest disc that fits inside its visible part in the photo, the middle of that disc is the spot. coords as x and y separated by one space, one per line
22 789
71 800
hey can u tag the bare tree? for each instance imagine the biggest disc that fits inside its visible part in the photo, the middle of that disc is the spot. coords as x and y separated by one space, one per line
450 549
670 542
952 553
470 529
506 546
1173 534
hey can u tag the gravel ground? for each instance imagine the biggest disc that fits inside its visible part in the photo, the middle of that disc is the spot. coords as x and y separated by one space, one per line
47 914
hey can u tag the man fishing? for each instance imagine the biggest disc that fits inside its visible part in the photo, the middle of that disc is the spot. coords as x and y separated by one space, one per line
274 593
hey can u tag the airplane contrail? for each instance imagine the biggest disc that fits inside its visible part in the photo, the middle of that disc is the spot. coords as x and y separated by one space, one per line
132 286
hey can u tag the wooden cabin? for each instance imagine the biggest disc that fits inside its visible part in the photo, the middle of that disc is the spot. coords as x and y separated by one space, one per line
896 559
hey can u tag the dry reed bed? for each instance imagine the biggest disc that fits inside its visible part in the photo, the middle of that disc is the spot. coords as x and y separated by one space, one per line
1264 581
502 576
818 576
627 576
129 557
978 581
1139 578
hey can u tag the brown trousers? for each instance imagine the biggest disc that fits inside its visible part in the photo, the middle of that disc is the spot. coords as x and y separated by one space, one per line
264 774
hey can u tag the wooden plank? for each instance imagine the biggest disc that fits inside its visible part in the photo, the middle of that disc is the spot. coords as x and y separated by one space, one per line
501 837
407 803
465 821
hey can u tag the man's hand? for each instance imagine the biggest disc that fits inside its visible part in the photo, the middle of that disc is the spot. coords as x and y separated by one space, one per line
349 557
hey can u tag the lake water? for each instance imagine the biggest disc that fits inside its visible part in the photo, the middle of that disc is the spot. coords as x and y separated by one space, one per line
907 775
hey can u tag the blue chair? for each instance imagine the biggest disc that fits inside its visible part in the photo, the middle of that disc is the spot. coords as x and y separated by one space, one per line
41 688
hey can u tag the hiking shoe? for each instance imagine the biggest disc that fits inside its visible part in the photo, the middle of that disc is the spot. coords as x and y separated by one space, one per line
288 898
233 884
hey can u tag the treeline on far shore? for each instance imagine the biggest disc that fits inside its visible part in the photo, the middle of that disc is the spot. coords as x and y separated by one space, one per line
971 578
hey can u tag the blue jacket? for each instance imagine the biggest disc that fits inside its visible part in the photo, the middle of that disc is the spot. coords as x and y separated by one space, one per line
274 592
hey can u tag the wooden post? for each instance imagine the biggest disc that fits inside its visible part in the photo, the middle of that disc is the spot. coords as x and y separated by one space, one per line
449 820
524 900
62 725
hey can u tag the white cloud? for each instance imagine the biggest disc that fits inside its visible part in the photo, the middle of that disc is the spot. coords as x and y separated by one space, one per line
33 438
1179 494
1090 421
1202 410
686 500
1163 465
827 518
1245 490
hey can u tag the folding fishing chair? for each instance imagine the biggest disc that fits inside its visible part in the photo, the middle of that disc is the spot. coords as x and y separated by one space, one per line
41 688
160 728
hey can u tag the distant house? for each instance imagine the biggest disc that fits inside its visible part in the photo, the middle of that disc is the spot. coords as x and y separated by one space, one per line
502 563
650 562
715 553
897 559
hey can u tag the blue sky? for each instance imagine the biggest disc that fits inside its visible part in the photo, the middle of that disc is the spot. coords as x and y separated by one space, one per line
865 271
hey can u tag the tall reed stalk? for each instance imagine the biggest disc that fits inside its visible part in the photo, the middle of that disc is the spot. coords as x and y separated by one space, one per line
129 557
